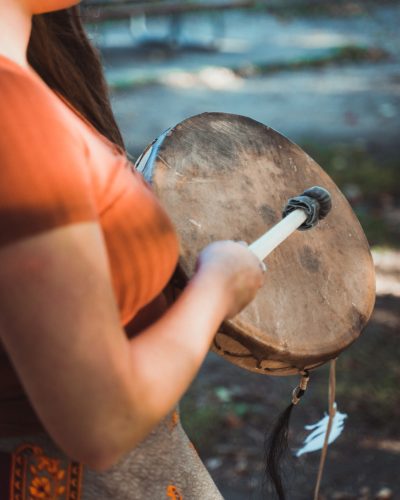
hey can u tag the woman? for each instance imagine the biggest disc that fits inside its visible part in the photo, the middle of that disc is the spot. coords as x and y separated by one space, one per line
93 360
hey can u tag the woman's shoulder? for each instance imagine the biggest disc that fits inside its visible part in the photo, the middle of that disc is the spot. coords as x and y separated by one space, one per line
18 84
30 111
44 182
27 102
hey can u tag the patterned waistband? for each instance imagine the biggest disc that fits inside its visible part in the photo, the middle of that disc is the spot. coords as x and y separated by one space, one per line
29 474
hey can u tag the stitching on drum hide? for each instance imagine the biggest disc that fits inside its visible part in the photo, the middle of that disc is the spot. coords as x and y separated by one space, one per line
258 365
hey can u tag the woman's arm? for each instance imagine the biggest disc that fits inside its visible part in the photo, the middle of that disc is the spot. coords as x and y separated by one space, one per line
98 393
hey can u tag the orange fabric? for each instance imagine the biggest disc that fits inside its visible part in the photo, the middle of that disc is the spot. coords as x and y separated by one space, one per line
33 475
174 420
57 169
173 492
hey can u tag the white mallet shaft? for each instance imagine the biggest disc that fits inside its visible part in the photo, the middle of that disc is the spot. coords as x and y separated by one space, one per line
278 233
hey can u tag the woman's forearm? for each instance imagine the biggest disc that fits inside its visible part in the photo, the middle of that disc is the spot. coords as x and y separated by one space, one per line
169 353
166 356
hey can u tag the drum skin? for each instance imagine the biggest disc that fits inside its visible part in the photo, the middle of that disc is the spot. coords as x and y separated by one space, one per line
228 177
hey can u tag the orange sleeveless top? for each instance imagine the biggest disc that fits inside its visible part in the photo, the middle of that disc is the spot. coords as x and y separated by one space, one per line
57 169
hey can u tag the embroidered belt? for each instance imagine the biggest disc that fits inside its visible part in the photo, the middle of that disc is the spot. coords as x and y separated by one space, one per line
28 474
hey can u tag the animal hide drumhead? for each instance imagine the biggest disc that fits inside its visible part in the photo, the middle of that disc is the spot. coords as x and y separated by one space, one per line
223 176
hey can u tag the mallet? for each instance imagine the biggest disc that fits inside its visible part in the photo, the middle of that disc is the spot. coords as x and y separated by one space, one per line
302 212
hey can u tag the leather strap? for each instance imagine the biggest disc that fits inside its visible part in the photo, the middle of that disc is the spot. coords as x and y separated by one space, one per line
332 411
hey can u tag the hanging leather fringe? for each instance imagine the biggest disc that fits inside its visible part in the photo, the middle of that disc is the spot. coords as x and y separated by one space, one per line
332 412
276 443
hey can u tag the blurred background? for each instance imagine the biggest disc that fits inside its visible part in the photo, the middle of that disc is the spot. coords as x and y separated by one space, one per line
327 75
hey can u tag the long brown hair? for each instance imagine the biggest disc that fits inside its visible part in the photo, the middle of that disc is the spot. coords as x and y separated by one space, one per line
61 53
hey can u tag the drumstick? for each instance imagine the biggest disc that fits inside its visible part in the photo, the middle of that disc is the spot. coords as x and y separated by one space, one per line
302 212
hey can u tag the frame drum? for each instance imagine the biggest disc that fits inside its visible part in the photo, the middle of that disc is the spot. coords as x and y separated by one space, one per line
227 177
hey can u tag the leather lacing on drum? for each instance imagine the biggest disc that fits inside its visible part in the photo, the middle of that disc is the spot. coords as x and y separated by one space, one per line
259 361
300 390
250 355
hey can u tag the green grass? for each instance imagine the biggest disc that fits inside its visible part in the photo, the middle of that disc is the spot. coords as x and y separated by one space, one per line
207 420
352 164
369 180
368 373
347 54
368 381
335 56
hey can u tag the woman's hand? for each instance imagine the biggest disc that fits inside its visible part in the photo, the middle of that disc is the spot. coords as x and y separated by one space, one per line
237 267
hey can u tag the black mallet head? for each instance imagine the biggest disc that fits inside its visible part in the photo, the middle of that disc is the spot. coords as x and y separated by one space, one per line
315 201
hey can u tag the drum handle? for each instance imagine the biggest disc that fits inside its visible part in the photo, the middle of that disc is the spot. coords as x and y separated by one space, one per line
277 234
